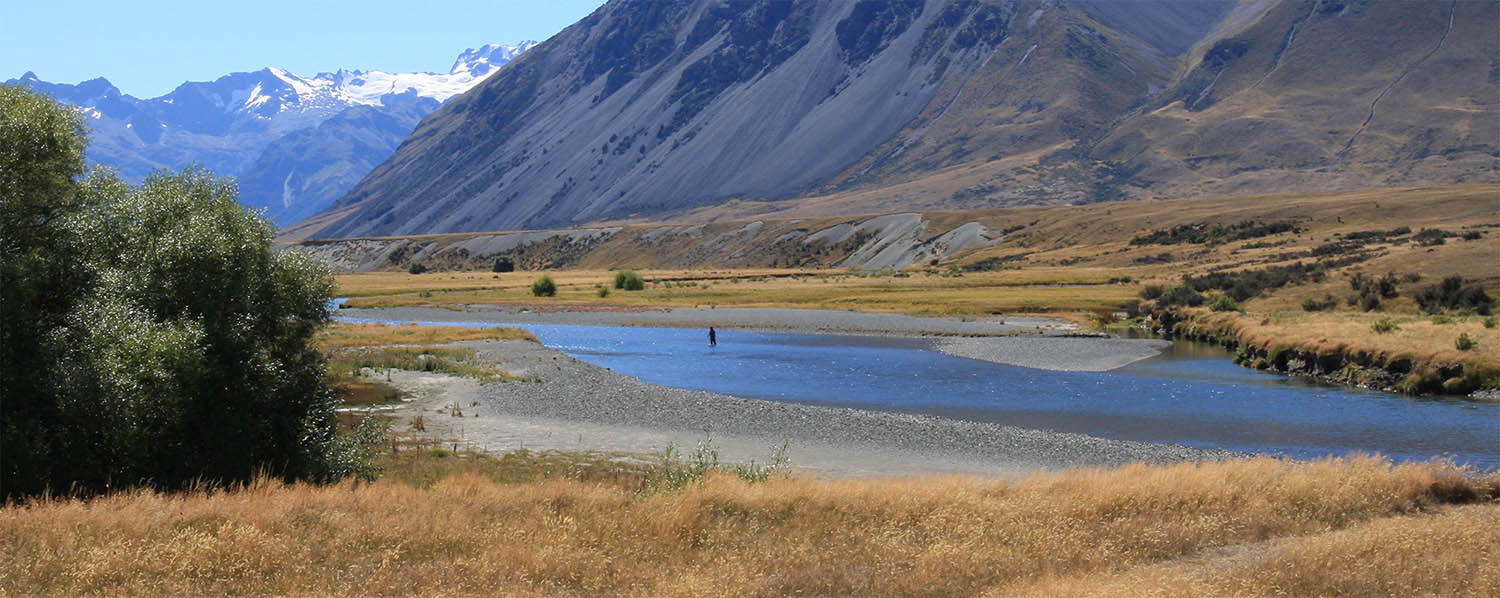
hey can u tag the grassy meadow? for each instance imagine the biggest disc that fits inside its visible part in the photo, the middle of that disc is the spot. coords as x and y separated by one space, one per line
443 523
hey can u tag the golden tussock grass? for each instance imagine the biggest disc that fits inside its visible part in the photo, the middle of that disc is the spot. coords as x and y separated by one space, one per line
1349 526
1417 336
919 292
342 335
1449 553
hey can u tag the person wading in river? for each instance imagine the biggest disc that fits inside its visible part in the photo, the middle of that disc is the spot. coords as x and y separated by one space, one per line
713 339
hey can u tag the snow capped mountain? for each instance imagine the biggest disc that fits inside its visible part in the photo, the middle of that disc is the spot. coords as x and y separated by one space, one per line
226 124
483 61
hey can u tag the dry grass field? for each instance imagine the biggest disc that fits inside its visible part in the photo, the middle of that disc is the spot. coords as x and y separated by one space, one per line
1359 527
923 292
341 335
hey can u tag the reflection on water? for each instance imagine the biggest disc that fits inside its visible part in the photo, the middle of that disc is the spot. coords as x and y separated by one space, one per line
1190 395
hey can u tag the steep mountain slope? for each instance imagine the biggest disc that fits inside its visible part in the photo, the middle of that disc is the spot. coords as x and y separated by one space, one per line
1327 94
226 124
648 108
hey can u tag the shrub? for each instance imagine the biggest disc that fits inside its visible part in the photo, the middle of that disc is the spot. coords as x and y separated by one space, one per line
1181 295
1326 303
629 280
1451 293
544 287
1429 237
503 263
1465 342
1222 302
416 268
1152 292
1473 235
1441 319
1212 234
1384 325
1245 284
1489 322
603 291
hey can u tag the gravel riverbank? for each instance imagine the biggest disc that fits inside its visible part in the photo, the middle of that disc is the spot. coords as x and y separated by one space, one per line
577 405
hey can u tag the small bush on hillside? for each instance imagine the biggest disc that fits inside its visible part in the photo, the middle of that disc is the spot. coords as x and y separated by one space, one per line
1489 322
1429 237
1222 302
1152 292
1181 295
1371 290
1465 342
603 291
629 280
1451 293
1384 325
416 268
1313 304
503 263
544 287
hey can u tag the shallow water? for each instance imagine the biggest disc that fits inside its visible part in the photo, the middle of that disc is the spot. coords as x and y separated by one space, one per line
1192 395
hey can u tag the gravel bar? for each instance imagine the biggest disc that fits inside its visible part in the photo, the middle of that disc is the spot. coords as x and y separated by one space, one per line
611 411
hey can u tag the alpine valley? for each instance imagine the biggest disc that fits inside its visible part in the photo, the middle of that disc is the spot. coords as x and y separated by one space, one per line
294 143
703 109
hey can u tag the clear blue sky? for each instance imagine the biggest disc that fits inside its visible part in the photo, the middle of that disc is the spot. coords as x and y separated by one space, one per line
148 48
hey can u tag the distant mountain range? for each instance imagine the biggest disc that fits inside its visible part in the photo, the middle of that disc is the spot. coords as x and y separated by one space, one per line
668 108
294 143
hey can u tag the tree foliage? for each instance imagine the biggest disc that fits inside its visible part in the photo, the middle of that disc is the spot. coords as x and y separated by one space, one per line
151 335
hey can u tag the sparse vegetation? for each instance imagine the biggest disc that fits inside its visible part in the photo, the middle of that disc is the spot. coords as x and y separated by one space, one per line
343 335
416 268
1378 235
1205 233
1384 325
1371 290
1164 257
1465 342
442 360
1429 237
1314 304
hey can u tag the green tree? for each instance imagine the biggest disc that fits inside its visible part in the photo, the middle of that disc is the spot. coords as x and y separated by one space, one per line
629 280
544 287
151 333
503 263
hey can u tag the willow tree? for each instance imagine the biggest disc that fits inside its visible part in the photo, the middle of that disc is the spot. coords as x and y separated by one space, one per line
150 333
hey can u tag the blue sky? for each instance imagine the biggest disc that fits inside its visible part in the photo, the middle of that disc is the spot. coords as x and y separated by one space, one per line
148 48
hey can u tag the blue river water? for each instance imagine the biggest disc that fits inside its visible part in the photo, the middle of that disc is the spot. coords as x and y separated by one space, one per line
1191 395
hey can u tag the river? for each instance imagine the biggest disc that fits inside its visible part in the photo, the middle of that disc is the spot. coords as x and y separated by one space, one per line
1191 395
